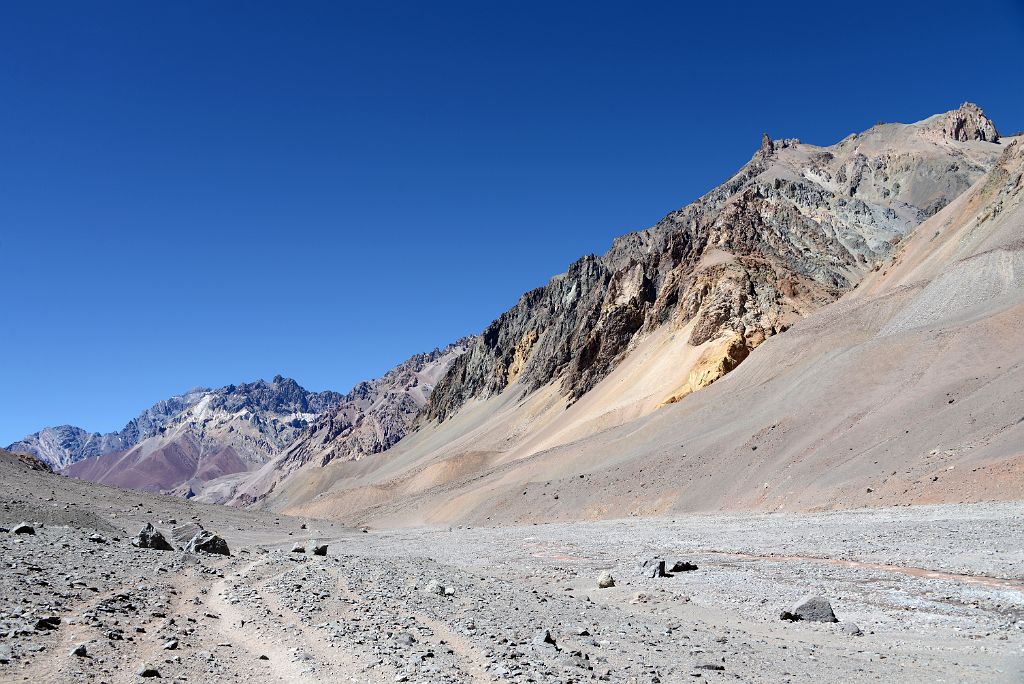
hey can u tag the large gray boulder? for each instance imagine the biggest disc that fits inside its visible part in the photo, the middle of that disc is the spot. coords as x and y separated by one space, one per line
23 528
151 538
811 609
653 568
207 542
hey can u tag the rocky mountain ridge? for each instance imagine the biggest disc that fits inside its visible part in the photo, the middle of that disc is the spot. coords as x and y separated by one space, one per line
230 429
371 418
63 445
793 230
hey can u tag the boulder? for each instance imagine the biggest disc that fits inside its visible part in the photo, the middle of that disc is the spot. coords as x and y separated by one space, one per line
23 528
682 566
148 670
207 542
653 568
151 538
811 609
605 580
318 548
297 547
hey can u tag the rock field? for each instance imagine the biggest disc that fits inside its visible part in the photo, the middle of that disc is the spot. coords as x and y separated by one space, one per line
920 594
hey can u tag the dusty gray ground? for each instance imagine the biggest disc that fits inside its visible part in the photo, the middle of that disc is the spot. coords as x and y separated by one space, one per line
937 591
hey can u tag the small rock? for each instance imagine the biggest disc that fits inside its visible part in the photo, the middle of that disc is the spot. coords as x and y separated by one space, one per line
5 653
682 566
148 670
811 609
543 638
851 629
47 623
80 650
605 580
319 549
297 547
171 645
23 528
97 538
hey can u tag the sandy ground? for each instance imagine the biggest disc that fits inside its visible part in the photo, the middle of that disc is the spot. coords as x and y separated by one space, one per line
937 592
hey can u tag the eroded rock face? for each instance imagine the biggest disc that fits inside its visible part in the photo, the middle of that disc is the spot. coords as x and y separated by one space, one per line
969 123
797 227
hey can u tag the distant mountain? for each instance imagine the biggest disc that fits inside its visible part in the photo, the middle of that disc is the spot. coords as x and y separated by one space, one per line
63 445
371 418
217 432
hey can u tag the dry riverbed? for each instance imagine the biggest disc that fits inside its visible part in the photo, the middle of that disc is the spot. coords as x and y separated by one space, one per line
921 594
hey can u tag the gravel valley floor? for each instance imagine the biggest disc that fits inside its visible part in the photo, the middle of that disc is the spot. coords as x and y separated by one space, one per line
921 593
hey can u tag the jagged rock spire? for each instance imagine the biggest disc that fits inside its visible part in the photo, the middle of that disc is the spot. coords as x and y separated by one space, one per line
969 123
767 145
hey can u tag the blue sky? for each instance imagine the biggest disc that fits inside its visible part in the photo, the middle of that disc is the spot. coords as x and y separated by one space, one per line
204 193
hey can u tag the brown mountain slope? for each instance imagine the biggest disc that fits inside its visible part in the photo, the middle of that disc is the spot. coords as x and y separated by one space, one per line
907 390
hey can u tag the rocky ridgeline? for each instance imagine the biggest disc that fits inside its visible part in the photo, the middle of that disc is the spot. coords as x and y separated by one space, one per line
798 226
63 445
371 418
378 413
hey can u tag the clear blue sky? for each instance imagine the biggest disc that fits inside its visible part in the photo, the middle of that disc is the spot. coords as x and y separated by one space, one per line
203 193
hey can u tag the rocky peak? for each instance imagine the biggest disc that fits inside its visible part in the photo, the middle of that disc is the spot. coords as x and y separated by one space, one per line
791 231
969 123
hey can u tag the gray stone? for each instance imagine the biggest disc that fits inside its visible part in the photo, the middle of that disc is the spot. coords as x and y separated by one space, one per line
682 566
851 629
47 623
148 670
605 580
811 609
80 650
543 638
318 548
297 547
653 568
151 538
23 528
207 542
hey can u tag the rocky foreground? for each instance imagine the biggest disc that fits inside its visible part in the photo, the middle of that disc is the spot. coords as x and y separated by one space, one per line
917 594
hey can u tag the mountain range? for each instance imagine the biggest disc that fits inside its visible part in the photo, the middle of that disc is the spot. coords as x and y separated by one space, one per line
831 326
